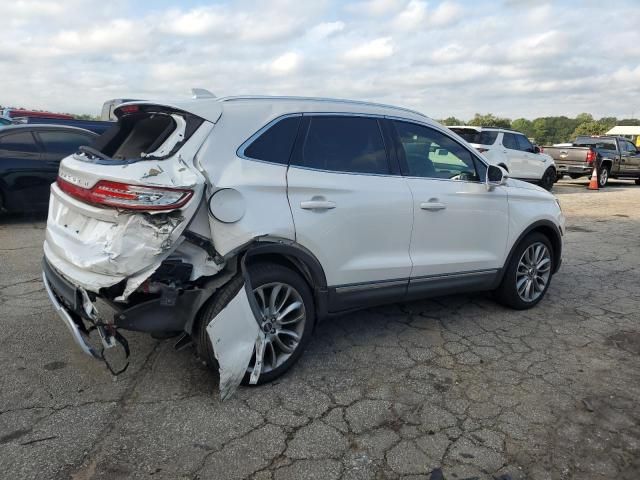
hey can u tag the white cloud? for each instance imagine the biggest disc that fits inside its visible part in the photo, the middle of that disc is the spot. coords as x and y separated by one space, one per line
445 14
324 30
285 64
413 16
375 7
377 49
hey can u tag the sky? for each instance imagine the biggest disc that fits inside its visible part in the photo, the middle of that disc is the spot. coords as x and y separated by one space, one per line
513 58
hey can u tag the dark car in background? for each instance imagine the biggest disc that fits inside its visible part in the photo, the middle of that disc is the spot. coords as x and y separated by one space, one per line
29 159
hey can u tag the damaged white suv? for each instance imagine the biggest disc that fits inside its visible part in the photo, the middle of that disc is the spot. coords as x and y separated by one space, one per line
241 222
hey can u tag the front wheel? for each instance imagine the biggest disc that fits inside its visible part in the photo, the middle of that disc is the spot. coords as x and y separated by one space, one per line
548 179
528 274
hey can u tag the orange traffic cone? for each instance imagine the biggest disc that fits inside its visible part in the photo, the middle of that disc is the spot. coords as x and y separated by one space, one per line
593 184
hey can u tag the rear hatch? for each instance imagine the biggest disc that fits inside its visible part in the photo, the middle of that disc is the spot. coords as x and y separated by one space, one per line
118 209
481 140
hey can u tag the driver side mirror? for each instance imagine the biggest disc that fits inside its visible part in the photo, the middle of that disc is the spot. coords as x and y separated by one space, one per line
496 176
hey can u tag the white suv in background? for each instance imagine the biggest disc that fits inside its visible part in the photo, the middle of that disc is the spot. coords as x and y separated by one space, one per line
512 151
241 222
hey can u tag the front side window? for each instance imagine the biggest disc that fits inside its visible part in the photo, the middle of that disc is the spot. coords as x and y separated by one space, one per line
63 143
344 144
275 144
426 152
510 141
19 142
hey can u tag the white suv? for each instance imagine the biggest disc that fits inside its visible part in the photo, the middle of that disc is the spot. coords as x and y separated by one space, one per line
241 222
512 151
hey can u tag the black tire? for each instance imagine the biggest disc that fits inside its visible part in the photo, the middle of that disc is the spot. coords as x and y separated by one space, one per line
559 176
637 181
260 274
574 176
603 176
507 293
548 178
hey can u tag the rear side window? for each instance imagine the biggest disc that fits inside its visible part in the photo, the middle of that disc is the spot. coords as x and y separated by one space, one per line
275 144
510 141
486 137
18 142
344 144
524 144
63 143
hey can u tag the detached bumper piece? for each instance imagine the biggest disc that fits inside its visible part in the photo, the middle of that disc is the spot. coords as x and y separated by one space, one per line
78 336
74 307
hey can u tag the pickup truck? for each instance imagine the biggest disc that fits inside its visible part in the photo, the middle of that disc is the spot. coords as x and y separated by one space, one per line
614 157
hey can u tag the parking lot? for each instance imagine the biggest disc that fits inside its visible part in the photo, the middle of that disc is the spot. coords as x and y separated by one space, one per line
457 383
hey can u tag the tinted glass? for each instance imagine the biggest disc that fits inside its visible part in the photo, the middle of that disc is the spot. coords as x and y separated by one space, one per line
18 142
487 137
344 144
597 143
63 143
509 141
524 143
275 144
428 153
629 147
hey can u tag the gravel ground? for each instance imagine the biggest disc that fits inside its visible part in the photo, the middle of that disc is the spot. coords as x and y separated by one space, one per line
458 382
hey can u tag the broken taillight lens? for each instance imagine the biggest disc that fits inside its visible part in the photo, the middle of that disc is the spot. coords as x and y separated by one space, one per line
132 197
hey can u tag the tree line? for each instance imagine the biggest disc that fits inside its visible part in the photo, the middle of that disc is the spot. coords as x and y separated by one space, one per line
547 130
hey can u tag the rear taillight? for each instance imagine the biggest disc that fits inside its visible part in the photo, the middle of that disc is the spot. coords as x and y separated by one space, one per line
591 156
132 197
482 150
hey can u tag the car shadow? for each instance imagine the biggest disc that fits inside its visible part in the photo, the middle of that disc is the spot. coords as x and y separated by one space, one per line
22 218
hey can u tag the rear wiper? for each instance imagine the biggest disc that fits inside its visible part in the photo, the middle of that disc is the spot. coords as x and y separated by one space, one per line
94 152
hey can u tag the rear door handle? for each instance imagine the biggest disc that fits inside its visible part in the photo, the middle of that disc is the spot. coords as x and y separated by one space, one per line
432 206
317 205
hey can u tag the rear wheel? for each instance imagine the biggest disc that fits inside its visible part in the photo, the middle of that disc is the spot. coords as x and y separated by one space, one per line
603 176
548 178
287 317
528 274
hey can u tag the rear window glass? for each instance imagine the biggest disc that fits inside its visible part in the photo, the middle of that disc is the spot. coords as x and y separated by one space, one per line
275 144
64 143
486 137
344 144
597 143
18 142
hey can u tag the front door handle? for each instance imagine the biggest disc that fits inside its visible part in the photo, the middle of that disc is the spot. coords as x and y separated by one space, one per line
432 206
317 205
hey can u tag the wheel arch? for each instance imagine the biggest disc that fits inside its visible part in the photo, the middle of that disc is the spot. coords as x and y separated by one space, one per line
549 230
297 258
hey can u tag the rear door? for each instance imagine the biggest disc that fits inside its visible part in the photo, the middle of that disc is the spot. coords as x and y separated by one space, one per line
460 228
533 162
22 177
517 160
350 209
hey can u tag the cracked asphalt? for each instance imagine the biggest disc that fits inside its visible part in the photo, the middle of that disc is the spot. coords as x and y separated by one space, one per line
456 382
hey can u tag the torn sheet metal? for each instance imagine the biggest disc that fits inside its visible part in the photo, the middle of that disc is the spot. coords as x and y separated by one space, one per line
234 334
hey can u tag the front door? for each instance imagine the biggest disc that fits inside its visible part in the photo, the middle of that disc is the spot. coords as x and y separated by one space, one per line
349 210
460 228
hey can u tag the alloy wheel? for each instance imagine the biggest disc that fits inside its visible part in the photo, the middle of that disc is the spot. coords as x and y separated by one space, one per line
282 319
604 176
533 272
